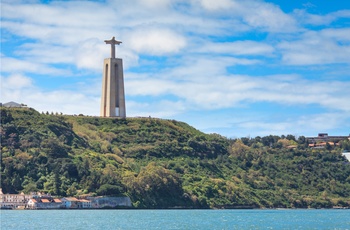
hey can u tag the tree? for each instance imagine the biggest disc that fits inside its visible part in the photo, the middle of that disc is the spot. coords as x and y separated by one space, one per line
238 148
30 187
108 189
301 140
54 148
328 146
158 186
52 185
290 137
72 190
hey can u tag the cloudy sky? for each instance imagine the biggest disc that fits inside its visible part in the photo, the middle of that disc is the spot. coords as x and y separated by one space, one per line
237 68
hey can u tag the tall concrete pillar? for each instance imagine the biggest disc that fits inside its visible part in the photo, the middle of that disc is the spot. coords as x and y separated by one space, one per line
113 97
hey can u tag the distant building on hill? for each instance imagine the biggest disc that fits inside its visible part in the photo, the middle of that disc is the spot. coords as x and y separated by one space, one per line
324 137
13 104
323 140
321 145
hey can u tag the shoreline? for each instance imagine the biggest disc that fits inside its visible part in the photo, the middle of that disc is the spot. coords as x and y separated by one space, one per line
180 209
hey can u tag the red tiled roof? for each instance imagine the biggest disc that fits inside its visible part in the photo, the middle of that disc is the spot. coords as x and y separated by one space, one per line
325 143
34 200
45 201
57 200
72 199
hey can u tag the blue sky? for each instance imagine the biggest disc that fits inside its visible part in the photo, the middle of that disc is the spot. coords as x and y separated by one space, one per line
236 68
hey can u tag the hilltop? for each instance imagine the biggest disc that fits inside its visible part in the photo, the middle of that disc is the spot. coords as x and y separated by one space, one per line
166 163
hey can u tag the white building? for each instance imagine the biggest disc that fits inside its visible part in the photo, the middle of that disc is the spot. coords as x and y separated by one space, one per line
72 202
347 155
11 201
84 203
47 202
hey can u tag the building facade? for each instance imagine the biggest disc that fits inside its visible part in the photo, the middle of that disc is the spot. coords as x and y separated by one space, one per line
13 201
44 202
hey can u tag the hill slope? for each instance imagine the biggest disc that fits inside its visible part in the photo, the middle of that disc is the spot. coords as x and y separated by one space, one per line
163 163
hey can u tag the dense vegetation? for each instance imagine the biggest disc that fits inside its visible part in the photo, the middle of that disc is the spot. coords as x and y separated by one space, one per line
166 163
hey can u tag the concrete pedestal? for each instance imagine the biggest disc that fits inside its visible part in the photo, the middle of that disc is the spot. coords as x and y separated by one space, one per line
113 97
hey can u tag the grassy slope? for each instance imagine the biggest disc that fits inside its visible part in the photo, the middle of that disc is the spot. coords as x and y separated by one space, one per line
163 163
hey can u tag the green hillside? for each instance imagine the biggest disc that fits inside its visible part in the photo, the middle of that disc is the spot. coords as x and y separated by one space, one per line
165 163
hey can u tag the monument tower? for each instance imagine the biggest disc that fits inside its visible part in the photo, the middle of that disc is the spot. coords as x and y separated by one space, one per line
113 98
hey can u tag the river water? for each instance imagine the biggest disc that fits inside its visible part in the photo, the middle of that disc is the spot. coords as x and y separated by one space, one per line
175 219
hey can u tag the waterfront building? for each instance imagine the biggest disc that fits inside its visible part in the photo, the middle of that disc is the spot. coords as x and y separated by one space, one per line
44 202
84 203
70 202
110 202
13 201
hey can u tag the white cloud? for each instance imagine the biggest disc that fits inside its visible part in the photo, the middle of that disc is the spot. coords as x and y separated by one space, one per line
21 89
217 5
266 128
60 14
203 84
13 65
238 48
144 31
155 41
263 124
323 47
54 35
205 68
317 19
149 87
46 53
267 16
313 19
322 122
16 81
156 4
339 35
159 109
90 54
257 14
20 1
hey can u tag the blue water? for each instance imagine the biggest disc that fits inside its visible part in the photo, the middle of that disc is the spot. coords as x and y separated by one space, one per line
175 219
